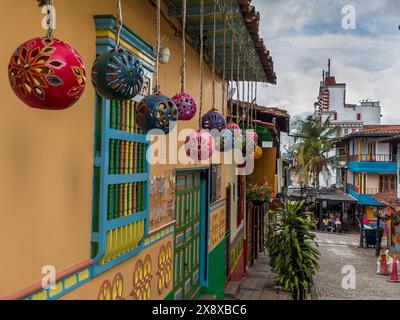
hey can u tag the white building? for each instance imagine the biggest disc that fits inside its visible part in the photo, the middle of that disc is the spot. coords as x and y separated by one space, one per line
350 118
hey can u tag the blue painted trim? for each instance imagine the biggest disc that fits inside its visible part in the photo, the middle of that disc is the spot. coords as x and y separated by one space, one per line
363 199
373 167
117 179
108 22
123 221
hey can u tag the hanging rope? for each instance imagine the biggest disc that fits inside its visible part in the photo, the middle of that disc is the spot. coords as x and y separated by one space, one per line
50 28
248 109
214 53
255 100
223 68
238 86
232 71
201 57
118 25
183 70
243 87
157 89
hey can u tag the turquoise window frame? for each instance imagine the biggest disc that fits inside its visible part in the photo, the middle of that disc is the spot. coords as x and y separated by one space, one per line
103 134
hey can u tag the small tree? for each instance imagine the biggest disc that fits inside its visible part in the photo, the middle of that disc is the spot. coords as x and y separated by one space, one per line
293 250
316 141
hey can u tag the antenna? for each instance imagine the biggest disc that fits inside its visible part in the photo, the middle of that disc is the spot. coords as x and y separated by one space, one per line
329 67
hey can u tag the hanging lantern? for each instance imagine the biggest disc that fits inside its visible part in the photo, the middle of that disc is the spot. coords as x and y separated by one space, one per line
187 106
258 152
156 112
117 75
47 73
213 120
200 145
234 129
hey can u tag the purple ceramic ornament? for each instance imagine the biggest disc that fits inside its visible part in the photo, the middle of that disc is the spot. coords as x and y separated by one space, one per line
187 106
213 120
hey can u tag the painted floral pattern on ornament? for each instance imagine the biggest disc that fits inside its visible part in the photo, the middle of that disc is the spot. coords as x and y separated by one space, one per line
38 65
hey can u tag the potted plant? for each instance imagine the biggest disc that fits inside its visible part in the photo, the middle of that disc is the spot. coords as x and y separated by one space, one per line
259 193
293 251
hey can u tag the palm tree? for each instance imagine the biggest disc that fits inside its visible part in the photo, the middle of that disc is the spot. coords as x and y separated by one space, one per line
293 250
312 151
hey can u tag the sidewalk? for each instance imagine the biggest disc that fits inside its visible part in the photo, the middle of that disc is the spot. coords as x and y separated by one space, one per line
258 284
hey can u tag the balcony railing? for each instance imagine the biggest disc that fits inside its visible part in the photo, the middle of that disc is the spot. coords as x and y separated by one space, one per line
372 158
367 191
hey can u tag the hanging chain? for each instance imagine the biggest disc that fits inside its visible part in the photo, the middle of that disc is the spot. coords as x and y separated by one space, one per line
183 71
214 53
201 57
118 25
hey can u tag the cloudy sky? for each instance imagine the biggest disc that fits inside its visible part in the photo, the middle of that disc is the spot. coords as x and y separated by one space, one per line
303 34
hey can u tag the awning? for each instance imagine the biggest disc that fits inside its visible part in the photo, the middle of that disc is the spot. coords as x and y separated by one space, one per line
242 21
323 195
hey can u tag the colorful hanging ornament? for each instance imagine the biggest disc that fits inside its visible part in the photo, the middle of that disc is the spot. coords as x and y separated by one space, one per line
234 129
223 139
156 112
258 152
200 145
46 73
213 119
187 106
117 74
252 137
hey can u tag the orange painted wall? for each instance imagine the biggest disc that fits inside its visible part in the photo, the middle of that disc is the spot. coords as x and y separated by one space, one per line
46 158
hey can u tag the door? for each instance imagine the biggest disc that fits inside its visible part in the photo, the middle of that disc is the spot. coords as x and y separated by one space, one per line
187 235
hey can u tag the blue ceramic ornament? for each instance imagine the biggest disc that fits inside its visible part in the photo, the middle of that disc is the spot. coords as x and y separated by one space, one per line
118 75
156 112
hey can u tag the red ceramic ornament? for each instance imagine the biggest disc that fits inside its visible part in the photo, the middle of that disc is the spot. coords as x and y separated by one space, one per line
47 73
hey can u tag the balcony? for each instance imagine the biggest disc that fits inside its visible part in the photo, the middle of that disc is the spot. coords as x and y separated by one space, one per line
363 197
372 158
373 163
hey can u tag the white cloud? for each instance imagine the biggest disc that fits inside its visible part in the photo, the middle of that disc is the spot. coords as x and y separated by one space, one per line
302 35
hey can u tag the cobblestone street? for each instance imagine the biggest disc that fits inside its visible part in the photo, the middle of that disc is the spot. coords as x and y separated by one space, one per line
339 250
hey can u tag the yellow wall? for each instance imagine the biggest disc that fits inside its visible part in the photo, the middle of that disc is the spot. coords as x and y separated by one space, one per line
266 167
46 157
